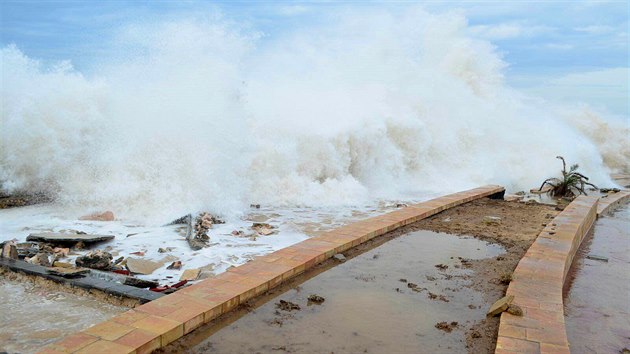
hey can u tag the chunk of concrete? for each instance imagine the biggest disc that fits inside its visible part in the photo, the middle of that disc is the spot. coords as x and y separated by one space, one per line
95 260
56 237
9 250
339 257
500 305
190 274
142 266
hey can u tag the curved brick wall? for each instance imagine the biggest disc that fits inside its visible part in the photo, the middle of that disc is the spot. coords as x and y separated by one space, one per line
539 278
159 322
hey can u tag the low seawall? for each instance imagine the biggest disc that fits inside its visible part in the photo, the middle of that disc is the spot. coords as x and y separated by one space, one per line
160 322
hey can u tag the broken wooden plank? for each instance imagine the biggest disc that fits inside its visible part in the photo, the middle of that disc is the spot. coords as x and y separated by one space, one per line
56 237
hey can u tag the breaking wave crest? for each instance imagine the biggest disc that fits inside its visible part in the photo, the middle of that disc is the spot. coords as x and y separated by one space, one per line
201 114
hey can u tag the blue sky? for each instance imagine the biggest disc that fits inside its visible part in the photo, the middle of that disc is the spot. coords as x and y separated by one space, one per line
566 50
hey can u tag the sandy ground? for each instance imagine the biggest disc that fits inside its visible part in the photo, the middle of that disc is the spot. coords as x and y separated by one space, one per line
519 226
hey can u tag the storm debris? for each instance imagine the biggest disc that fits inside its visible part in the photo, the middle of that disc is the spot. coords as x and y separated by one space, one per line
287 306
9 250
263 229
96 260
446 327
500 305
315 299
71 238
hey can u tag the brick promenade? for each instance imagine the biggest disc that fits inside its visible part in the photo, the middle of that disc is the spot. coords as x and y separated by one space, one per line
160 322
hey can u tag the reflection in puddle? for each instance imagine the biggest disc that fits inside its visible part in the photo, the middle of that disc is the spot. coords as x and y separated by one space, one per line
386 300
33 316
597 306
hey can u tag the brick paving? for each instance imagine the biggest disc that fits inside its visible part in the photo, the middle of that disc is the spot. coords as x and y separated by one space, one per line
160 322
539 278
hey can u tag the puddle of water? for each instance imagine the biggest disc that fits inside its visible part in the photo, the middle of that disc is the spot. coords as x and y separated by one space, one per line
367 307
33 316
597 305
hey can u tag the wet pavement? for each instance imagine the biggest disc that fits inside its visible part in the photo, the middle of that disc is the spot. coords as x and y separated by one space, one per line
386 300
597 300
33 316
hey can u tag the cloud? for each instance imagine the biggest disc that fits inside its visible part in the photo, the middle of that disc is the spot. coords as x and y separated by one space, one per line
594 29
559 46
293 10
606 87
509 30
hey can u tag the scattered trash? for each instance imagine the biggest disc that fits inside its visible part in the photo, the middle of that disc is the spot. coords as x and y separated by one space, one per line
175 265
190 274
340 257
27 249
597 258
169 289
140 283
263 229
255 206
315 299
500 305
287 306
122 271
138 253
56 238
441 266
165 250
41 258
105 216
95 260
446 327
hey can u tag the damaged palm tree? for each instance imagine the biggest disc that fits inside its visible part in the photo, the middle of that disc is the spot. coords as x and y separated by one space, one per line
570 185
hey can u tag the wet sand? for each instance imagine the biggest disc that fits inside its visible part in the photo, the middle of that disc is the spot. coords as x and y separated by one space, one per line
519 226
597 298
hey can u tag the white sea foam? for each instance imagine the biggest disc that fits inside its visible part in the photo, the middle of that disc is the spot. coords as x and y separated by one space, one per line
201 114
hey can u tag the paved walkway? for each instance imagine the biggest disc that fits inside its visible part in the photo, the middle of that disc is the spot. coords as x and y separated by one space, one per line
160 322
539 278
